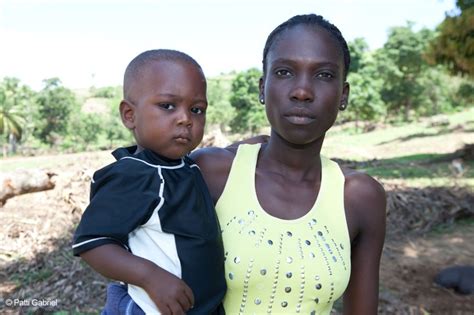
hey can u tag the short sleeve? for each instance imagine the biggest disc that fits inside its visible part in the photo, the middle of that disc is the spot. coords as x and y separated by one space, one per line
123 197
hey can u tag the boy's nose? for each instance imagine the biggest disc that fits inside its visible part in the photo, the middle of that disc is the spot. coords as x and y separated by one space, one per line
184 118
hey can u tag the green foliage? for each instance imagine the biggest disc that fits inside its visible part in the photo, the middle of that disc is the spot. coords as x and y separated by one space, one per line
437 92
401 66
365 101
219 110
11 116
110 92
358 49
55 104
250 114
465 94
116 132
394 82
84 130
454 45
16 102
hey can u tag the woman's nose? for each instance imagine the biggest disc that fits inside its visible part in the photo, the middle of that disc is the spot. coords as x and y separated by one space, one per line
302 90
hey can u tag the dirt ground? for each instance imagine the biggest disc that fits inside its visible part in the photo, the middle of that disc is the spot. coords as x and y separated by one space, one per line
410 264
38 272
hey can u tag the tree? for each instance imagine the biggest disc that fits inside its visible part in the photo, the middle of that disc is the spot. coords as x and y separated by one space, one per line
219 110
250 114
85 129
454 45
55 103
401 65
14 100
365 101
106 92
358 49
115 131
438 90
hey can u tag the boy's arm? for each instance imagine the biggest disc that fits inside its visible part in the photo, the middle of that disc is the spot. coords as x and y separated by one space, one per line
170 294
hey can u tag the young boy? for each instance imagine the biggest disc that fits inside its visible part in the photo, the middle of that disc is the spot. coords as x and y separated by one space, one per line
151 222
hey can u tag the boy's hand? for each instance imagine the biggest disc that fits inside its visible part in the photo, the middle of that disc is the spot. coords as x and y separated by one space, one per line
171 295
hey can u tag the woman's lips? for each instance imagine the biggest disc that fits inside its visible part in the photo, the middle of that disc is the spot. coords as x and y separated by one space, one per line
299 120
299 116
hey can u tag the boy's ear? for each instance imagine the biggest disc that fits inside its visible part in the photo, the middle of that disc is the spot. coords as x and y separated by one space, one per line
127 113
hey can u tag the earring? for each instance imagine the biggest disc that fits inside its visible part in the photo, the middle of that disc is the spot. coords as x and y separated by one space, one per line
343 106
262 101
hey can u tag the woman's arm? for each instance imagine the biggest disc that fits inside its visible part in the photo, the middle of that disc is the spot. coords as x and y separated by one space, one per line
365 203
215 164
170 294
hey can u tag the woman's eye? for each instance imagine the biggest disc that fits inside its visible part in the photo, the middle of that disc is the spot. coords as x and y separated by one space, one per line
167 106
283 73
325 75
197 110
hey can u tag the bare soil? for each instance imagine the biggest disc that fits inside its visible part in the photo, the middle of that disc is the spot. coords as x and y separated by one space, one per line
36 263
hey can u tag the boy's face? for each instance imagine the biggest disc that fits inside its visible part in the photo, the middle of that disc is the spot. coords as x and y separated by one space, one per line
167 115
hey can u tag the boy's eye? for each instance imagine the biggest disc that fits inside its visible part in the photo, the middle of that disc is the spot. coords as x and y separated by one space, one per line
167 106
197 110
283 73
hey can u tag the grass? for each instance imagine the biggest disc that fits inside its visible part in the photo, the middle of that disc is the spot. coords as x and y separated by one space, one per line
363 145
399 152
444 229
423 170
418 154
31 276
49 161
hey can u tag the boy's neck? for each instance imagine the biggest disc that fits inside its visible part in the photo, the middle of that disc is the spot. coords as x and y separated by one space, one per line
139 149
165 158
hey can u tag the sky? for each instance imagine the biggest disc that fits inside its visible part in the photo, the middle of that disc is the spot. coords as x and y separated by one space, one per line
90 42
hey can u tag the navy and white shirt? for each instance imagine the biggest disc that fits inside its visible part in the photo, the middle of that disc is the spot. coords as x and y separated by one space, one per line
161 210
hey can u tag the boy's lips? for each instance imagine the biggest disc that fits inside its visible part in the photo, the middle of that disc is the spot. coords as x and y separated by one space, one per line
182 139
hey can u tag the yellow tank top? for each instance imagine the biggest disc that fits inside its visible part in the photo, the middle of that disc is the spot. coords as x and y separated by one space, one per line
277 266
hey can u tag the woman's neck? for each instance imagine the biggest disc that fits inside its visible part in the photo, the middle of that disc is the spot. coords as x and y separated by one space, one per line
288 159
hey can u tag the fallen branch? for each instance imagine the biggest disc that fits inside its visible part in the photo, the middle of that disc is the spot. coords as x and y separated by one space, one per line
23 182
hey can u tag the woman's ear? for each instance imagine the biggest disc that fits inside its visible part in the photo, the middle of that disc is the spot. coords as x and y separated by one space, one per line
261 87
127 113
345 94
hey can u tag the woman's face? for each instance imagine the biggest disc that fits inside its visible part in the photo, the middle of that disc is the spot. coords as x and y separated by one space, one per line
304 84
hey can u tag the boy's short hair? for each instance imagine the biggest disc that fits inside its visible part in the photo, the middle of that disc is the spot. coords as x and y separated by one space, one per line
136 66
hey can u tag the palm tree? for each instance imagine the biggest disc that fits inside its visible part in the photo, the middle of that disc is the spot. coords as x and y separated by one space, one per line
11 117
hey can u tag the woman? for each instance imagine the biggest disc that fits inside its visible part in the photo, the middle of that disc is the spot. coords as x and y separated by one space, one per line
298 230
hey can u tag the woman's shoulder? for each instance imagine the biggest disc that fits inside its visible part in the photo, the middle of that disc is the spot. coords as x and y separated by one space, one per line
362 184
212 158
365 201
215 164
